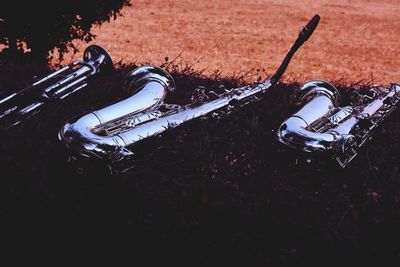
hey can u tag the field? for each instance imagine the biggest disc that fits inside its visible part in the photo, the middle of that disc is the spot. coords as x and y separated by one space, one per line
214 192
356 40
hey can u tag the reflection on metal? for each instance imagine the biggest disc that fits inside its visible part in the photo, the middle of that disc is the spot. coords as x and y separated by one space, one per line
112 133
322 126
60 84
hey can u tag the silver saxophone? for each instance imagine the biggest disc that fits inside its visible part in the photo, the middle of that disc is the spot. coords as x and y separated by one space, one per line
112 133
321 126
62 83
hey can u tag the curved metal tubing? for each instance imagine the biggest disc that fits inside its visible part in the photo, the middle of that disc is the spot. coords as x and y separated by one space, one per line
321 126
88 135
141 117
60 84
318 99
112 132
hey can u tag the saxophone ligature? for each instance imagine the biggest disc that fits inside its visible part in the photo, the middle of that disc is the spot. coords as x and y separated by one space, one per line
60 84
321 126
112 133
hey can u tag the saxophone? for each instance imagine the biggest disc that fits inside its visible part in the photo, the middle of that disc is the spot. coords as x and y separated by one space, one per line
112 133
59 85
321 126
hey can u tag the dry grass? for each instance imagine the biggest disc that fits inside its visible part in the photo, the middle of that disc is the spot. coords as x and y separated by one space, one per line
215 193
223 192
356 40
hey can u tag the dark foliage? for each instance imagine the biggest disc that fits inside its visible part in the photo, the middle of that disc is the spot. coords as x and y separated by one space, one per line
214 194
47 25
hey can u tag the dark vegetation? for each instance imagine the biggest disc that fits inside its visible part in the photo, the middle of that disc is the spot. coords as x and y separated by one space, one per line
215 193
44 26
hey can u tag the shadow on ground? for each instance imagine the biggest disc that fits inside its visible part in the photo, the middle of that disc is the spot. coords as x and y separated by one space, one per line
211 193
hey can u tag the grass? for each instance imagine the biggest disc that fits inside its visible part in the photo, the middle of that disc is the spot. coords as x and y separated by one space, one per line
214 193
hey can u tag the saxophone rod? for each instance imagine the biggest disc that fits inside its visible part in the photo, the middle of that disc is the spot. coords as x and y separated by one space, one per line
304 35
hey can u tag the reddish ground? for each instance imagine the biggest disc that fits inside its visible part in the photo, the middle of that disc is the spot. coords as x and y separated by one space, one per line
222 192
356 39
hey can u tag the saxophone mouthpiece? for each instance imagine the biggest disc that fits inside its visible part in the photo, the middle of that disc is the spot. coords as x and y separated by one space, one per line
308 30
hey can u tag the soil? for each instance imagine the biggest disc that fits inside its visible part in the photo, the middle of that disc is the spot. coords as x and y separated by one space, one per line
218 192
356 39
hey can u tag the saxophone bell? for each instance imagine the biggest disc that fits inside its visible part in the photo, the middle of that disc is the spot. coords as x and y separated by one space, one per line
62 83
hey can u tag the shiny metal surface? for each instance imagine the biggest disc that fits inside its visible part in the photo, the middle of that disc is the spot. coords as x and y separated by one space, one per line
316 99
322 126
112 133
60 84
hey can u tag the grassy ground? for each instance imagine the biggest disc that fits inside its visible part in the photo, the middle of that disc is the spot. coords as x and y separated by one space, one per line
356 40
216 193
